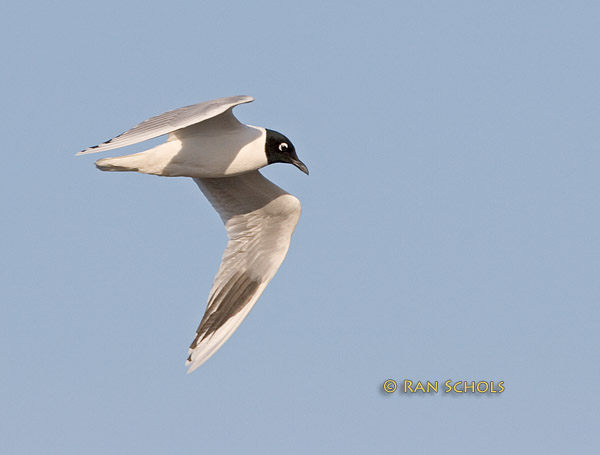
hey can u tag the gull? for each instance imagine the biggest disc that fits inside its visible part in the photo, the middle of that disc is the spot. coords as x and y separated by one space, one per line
207 143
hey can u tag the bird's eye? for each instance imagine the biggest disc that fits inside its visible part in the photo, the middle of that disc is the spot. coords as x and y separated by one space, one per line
283 147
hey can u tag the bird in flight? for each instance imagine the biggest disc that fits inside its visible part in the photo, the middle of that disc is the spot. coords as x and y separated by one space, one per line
207 143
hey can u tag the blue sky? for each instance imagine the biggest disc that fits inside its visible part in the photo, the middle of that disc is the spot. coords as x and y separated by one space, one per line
449 229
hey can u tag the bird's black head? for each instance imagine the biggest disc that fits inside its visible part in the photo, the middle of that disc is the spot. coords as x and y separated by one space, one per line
279 149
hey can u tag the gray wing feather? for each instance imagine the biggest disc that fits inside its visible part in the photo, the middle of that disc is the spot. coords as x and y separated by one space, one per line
259 218
170 121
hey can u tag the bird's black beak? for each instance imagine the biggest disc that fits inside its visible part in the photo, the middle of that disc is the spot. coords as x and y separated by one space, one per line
300 165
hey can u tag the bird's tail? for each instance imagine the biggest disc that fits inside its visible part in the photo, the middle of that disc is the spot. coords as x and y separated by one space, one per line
155 161
121 163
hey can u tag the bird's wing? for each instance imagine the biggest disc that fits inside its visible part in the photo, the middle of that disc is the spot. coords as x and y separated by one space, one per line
171 121
259 218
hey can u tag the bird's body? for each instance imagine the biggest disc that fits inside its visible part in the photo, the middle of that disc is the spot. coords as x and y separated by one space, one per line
206 142
197 152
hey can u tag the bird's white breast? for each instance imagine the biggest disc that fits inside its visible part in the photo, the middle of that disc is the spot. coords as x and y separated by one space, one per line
204 153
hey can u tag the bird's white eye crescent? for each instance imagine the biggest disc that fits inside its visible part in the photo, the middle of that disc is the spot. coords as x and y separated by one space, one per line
283 147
